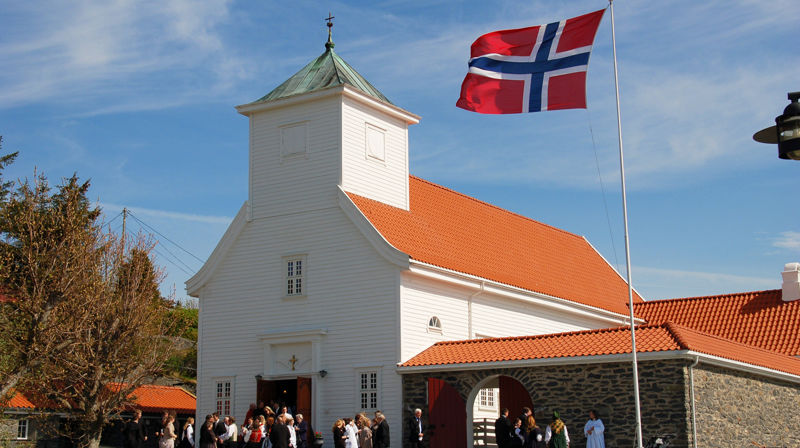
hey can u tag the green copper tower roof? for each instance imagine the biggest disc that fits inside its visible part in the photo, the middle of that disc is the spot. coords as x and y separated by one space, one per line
328 70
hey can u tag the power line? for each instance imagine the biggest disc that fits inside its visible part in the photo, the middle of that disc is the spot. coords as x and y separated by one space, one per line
164 236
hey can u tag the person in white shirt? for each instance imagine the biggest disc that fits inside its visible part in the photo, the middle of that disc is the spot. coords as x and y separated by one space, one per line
188 433
593 431
292 434
230 437
352 433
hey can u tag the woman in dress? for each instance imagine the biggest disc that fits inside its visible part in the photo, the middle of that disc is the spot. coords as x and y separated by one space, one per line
534 437
339 435
364 431
292 433
187 435
351 432
255 433
168 436
208 438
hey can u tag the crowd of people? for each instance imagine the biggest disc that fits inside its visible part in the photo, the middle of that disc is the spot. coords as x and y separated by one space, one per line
525 433
361 432
262 428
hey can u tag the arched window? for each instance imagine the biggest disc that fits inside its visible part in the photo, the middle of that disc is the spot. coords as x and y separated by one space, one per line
435 325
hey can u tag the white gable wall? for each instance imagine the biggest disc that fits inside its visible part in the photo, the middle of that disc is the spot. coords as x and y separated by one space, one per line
493 315
351 292
383 180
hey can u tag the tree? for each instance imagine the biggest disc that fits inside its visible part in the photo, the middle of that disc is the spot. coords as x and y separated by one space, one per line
87 323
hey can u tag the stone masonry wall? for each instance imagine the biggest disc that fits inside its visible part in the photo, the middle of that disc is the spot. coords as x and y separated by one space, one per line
735 408
575 389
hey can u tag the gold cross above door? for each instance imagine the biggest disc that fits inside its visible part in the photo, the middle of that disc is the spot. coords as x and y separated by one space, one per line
292 361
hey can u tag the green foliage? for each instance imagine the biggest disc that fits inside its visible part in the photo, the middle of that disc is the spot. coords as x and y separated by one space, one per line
185 322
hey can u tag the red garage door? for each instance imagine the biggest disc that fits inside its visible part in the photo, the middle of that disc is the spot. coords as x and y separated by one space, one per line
513 396
447 415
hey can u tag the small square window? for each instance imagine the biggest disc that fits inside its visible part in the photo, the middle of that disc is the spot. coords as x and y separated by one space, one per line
294 140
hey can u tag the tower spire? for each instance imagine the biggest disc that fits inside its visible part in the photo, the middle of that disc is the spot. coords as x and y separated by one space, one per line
329 44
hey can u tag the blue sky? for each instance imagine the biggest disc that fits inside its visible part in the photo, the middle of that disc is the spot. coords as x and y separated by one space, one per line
138 96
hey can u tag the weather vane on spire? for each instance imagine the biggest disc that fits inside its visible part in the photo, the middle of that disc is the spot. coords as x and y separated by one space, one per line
329 45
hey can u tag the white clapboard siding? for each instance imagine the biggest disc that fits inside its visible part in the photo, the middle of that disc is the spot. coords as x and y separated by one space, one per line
492 315
281 184
351 291
387 180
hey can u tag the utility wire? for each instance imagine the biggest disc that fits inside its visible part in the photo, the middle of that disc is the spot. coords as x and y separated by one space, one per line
112 219
177 258
163 236
603 190
166 257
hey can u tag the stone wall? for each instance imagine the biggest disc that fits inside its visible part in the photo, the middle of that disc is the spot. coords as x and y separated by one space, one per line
735 408
575 389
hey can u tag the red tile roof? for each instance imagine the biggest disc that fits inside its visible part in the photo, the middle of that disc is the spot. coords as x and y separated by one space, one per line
151 398
19 401
454 231
148 398
757 318
609 341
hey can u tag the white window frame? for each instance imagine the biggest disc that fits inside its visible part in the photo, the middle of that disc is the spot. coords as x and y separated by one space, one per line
487 399
302 129
302 277
432 327
376 390
219 401
370 128
22 424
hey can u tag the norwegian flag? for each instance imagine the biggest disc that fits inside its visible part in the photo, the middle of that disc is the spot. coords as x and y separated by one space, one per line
530 69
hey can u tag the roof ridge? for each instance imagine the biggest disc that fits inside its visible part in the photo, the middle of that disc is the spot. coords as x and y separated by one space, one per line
716 296
682 328
466 196
548 335
329 52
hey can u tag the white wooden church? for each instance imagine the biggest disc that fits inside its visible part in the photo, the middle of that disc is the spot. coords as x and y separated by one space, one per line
340 265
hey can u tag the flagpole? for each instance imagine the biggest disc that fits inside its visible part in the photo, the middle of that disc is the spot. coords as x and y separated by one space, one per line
627 242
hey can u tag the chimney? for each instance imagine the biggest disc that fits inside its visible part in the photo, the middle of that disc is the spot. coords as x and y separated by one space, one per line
791 282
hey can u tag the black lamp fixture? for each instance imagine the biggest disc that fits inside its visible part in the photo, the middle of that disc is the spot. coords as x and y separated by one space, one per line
323 373
259 377
786 132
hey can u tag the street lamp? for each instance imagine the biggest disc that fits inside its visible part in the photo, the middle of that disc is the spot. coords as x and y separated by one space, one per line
786 132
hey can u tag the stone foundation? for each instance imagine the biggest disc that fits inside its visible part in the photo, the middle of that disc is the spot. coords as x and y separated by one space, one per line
731 407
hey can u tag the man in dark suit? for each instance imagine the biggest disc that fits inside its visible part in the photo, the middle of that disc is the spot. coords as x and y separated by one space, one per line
381 437
279 435
416 429
502 430
219 428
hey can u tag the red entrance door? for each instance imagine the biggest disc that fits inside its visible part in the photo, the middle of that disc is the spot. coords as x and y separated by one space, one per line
304 402
513 396
447 415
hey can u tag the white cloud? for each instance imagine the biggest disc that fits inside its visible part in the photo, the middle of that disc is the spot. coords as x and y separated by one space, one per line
655 283
206 219
82 51
788 240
